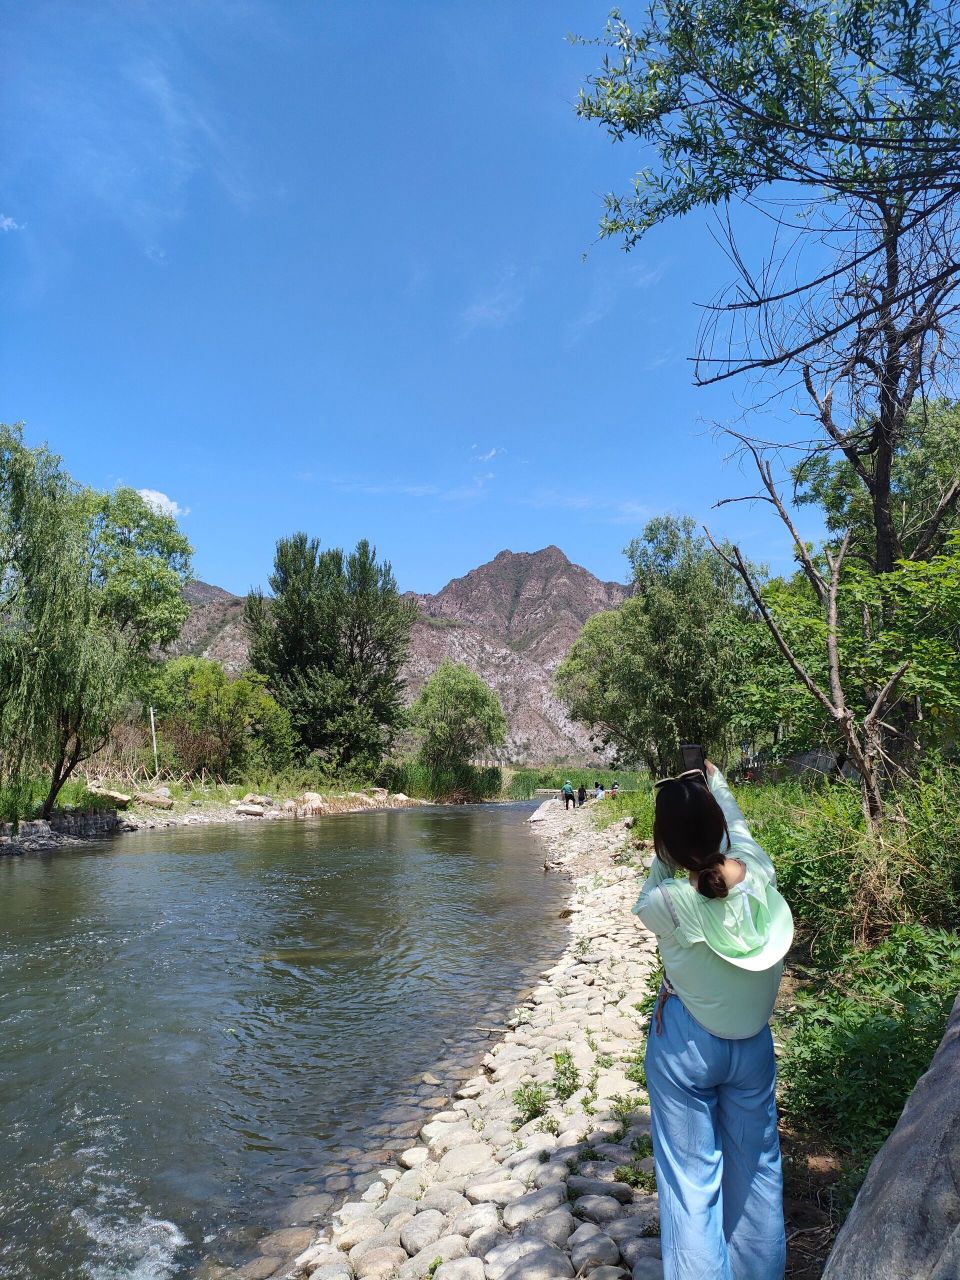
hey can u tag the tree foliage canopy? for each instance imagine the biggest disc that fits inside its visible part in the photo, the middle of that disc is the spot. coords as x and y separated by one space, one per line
660 670
331 643
852 98
91 583
210 721
838 123
457 716
925 463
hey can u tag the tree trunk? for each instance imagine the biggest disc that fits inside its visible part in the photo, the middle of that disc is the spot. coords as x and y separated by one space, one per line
59 775
887 548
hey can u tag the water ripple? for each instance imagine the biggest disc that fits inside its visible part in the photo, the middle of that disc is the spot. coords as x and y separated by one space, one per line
202 1021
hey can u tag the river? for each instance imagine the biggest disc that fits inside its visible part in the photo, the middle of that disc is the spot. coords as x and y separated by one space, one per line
206 1032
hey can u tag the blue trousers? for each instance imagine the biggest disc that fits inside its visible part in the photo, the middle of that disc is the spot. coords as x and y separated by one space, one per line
717 1151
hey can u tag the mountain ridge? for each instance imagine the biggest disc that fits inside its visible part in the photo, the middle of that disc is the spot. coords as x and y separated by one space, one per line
512 620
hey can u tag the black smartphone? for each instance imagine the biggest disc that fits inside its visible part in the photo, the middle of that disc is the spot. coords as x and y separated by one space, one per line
692 757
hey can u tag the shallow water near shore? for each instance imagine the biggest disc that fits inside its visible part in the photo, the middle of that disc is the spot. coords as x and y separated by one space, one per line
206 1033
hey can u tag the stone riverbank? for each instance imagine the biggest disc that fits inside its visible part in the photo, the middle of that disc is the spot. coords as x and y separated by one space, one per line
540 1165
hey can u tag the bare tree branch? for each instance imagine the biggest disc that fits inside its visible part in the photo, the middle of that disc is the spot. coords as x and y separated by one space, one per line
933 522
736 563
833 649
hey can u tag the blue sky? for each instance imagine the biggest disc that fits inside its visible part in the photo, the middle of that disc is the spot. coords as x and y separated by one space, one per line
304 264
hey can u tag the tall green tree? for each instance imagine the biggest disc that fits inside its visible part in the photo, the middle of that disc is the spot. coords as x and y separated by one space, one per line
331 642
457 716
661 669
847 113
91 584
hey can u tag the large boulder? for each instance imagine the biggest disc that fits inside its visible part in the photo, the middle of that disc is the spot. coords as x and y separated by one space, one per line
117 798
155 799
905 1223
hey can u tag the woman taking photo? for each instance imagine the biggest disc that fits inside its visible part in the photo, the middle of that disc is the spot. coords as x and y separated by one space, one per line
722 930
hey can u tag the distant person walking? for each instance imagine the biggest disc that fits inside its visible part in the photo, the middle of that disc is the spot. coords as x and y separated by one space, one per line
569 795
581 795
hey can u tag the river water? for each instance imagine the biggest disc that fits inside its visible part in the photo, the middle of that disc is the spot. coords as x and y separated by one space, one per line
206 1032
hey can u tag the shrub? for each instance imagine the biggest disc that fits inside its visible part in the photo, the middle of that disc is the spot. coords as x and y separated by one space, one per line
844 886
856 1045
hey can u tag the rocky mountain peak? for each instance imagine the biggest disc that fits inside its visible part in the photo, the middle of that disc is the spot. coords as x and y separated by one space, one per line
535 602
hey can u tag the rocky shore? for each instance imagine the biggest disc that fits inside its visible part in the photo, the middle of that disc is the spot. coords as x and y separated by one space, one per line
540 1166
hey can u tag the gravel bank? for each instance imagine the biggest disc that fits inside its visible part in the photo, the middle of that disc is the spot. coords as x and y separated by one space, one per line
565 1189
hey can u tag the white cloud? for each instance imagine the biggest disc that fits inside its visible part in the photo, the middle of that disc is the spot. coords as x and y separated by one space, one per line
493 308
122 127
160 503
608 287
489 455
8 224
379 490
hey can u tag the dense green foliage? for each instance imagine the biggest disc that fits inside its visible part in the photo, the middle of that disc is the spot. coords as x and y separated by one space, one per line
331 643
913 615
26 800
661 669
208 721
91 584
857 1042
845 884
924 464
457 718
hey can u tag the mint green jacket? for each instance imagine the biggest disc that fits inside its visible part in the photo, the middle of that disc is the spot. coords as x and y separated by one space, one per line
731 1002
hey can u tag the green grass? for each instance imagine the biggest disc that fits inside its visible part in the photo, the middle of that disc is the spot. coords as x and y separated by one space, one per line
636 804
531 1101
24 804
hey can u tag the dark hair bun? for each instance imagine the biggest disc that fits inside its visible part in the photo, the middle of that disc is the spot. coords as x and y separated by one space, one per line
711 882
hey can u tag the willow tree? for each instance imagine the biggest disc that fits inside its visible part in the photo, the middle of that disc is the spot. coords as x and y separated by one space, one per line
91 583
457 717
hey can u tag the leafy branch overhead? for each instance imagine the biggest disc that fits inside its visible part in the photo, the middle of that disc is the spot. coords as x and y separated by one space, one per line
835 127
